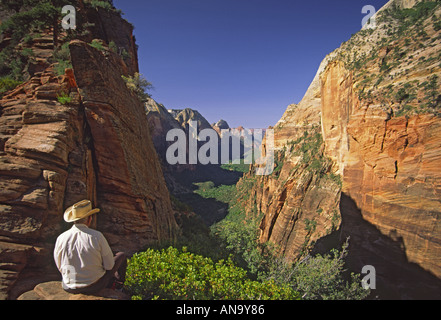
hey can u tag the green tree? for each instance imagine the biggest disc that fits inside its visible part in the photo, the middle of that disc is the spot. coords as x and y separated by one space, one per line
29 16
40 14
139 85
432 92
322 278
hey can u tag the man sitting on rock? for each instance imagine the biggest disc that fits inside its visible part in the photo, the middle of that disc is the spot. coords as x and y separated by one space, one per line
83 256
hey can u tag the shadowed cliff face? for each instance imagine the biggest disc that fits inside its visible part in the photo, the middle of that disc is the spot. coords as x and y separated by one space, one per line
375 99
397 276
95 145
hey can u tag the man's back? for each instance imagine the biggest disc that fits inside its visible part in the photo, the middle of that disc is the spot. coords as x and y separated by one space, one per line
82 255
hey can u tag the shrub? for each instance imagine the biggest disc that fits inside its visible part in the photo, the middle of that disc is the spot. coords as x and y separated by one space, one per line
64 98
321 278
62 57
241 239
222 193
431 90
138 85
171 274
97 45
7 84
401 95
61 66
102 4
113 47
242 167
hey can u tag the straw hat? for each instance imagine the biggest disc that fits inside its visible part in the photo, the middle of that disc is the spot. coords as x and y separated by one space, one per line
79 211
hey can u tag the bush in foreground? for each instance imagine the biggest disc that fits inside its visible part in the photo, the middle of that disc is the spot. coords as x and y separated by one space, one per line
172 274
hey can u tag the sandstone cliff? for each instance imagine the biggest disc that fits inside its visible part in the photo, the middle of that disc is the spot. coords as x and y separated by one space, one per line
377 101
80 135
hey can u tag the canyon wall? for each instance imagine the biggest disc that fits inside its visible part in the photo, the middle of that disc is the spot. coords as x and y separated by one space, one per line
94 143
391 184
376 102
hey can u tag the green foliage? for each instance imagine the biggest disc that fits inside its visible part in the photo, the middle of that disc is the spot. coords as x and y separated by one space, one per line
336 178
171 274
97 45
322 278
384 66
30 16
401 95
62 58
310 148
113 47
431 91
40 14
223 193
409 16
7 84
61 66
62 52
241 239
310 225
240 167
204 186
405 110
279 159
138 85
12 63
102 4
319 277
64 98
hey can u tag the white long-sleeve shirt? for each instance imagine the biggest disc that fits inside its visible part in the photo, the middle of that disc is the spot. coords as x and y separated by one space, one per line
82 255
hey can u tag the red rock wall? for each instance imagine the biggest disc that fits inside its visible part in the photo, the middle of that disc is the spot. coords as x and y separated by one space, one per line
391 183
130 184
97 146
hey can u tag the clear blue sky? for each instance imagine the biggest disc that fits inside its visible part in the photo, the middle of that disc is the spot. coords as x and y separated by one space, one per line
243 61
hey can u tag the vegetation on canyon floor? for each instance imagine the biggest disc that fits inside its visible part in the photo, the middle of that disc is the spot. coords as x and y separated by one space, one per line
227 261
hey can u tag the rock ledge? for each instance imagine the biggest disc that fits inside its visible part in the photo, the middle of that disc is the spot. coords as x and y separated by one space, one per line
53 291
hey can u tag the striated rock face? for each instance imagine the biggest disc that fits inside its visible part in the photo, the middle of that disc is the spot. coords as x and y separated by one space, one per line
298 203
302 116
391 185
336 104
300 200
41 165
377 101
134 197
94 145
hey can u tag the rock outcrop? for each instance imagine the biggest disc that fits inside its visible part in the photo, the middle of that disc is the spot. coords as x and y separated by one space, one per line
160 123
186 115
80 135
220 125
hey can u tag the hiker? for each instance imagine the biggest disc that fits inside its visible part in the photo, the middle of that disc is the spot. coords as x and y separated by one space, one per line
83 256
